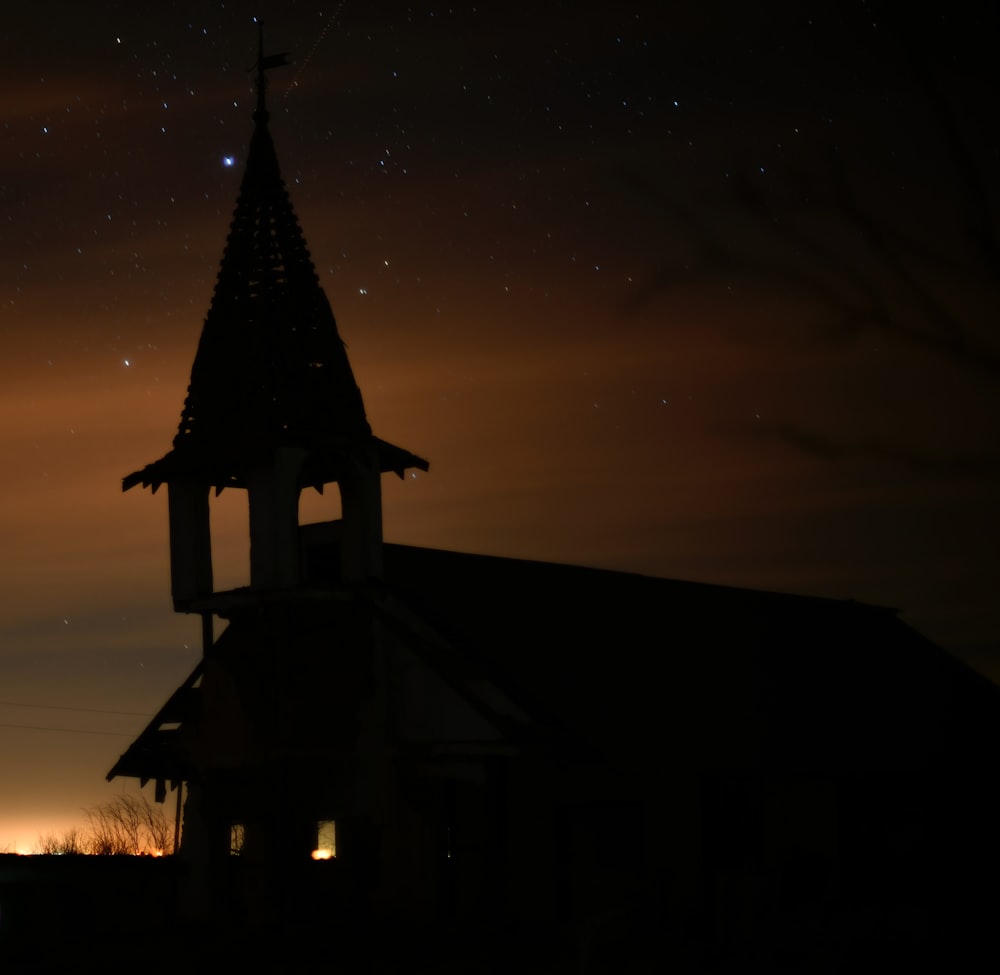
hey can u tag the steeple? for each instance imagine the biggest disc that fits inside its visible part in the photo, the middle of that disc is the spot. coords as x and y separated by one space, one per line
272 405
271 367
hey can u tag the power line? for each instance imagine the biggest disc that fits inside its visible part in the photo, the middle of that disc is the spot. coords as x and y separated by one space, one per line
67 731
62 707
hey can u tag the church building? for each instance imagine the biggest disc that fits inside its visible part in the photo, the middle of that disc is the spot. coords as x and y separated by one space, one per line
384 734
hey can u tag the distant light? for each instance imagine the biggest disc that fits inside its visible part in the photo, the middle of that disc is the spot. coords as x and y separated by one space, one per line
127 362
228 161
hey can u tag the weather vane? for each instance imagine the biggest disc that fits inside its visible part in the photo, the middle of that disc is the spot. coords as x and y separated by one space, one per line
265 63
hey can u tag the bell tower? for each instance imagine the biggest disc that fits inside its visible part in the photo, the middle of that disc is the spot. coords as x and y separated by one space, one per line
272 408
282 725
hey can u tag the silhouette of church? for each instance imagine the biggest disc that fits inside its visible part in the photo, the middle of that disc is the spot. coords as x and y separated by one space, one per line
623 762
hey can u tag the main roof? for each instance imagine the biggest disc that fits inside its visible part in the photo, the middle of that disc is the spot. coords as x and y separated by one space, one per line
271 369
639 670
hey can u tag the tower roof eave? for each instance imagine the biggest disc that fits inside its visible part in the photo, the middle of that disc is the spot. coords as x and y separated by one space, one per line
219 470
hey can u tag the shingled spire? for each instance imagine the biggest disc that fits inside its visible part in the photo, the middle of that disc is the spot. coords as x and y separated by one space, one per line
271 369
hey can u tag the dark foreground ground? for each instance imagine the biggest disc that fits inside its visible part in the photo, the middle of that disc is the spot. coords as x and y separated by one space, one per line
110 914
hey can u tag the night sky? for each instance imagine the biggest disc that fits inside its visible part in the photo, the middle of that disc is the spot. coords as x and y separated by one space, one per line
699 290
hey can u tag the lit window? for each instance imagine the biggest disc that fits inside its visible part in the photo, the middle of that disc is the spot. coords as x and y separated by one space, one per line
326 840
237 838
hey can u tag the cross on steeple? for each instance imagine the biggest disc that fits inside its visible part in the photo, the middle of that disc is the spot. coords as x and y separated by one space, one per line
265 64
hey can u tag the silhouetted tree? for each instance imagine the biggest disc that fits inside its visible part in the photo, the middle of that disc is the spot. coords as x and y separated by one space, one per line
127 825
70 842
888 233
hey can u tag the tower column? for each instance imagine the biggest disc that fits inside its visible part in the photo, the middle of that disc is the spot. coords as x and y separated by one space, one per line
190 540
361 509
274 521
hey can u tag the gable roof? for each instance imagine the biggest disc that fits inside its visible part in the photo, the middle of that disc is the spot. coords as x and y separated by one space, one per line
646 672
642 667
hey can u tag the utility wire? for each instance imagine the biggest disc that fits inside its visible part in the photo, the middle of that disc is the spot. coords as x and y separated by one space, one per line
68 731
61 707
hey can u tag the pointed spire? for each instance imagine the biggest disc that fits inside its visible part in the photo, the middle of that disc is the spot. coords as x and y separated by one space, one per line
271 366
271 369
